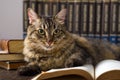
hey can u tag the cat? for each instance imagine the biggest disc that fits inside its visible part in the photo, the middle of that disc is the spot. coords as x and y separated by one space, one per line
49 45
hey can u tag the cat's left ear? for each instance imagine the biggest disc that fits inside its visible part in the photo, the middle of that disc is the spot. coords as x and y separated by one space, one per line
61 16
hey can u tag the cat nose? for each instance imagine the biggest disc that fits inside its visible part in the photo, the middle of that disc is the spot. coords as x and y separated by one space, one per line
49 42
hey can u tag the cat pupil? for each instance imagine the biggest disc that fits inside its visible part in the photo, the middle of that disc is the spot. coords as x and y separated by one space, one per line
56 31
41 31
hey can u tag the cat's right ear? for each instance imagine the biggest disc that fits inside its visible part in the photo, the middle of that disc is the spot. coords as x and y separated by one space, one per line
32 16
61 16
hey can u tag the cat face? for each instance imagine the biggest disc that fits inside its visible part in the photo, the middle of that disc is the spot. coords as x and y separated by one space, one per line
48 32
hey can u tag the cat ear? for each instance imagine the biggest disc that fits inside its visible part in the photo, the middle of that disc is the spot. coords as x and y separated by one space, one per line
32 16
61 16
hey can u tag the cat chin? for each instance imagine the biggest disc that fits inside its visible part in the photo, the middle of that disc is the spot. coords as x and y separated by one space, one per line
47 48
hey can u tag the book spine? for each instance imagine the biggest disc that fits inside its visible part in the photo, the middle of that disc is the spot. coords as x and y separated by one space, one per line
84 20
76 18
14 65
8 65
25 17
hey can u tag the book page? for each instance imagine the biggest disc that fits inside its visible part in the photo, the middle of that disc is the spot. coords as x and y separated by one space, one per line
86 71
108 66
3 52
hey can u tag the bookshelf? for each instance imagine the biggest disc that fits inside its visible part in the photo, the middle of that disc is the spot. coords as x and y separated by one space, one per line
89 18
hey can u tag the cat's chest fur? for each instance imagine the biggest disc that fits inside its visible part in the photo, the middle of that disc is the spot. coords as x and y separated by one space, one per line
54 58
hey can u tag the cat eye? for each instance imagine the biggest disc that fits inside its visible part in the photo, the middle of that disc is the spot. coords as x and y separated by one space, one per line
56 31
41 31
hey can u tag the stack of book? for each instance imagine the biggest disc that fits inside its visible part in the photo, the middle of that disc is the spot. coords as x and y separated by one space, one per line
11 56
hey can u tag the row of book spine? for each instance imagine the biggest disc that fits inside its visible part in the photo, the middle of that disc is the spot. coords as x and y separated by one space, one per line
84 17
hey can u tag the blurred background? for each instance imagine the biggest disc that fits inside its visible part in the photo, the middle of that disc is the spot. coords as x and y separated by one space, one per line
11 19
89 18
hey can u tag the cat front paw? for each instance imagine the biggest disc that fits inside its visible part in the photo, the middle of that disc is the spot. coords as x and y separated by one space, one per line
74 62
29 70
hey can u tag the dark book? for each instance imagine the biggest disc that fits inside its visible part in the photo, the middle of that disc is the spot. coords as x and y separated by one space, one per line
11 64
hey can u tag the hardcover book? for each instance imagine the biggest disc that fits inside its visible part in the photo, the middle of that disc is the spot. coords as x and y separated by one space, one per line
11 46
10 57
11 64
105 70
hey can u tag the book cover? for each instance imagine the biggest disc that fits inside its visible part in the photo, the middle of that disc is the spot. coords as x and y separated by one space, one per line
13 56
12 46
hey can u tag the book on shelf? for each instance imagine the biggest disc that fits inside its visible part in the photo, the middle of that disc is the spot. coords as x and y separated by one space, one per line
11 64
105 70
12 46
4 56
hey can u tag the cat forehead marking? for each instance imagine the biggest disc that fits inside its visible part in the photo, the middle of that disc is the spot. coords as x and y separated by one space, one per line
44 26
47 23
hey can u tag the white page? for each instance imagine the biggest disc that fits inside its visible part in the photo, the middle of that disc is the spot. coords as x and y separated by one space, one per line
88 68
3 52
105 66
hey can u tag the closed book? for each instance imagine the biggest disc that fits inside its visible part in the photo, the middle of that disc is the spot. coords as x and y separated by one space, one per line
13 56
11 64
12 46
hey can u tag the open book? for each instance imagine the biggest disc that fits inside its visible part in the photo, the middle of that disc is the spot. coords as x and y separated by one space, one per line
105 70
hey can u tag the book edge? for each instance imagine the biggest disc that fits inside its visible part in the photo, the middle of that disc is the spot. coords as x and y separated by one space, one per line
114 74
78 72
7 64
19 57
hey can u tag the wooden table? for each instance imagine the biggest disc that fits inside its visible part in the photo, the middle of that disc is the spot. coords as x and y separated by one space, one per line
12 75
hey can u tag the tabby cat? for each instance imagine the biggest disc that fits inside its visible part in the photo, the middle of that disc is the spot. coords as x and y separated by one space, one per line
49 45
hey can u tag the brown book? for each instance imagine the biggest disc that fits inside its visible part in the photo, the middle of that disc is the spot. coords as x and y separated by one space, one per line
105 70
12 46
11 64
13 56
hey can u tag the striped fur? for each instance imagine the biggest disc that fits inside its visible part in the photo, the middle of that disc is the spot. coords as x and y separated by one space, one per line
49 45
